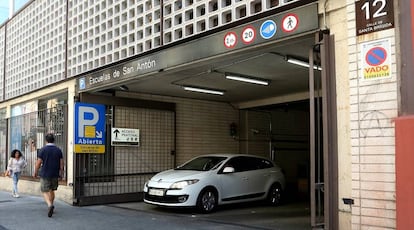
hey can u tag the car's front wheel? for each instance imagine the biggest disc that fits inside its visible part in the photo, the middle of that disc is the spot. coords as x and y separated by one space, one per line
275 195
207 201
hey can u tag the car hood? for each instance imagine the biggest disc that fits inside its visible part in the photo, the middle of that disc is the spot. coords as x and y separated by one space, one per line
173 175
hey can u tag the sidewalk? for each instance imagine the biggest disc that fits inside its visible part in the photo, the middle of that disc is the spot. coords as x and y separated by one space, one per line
30 212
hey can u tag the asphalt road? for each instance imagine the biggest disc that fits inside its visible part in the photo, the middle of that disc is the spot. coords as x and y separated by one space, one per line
30 212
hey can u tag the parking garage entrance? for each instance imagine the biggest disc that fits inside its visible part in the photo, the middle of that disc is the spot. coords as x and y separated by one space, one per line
286 110
300 136
291 121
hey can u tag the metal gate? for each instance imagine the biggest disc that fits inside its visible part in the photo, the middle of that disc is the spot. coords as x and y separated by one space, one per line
323 135
119 174
26 132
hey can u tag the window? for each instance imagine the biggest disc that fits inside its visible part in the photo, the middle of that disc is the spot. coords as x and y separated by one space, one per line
30 122
247 163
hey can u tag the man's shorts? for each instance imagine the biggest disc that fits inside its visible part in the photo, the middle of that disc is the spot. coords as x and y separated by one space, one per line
48 184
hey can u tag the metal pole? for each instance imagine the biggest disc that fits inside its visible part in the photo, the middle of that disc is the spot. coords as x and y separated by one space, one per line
312 140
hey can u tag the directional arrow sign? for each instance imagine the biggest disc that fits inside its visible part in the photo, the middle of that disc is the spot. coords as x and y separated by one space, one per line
116 131
125 137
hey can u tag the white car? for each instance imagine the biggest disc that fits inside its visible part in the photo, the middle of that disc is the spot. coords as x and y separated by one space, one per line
211 180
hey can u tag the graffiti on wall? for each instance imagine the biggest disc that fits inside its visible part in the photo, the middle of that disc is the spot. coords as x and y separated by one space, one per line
372 122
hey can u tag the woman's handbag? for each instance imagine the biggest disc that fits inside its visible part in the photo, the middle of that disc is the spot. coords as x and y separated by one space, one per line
8 172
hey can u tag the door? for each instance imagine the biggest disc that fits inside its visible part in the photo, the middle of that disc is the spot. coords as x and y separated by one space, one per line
323 135
236 184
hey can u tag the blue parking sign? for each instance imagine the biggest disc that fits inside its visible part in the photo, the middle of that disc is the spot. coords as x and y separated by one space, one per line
89 128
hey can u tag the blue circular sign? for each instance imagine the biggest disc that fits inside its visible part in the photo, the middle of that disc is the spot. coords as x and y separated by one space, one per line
268 29
376 56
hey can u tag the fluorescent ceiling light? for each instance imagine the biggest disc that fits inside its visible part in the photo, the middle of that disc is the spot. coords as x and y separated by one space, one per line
124 88
301 63
202 90
247 79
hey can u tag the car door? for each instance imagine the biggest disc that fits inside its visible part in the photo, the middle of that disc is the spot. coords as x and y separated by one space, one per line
235 185
258 176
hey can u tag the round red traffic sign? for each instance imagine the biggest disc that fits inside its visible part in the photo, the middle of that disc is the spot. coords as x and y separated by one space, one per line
290 22
376 56
248 35
230 40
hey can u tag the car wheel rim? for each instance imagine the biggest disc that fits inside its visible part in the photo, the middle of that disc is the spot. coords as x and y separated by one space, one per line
208 201
275 195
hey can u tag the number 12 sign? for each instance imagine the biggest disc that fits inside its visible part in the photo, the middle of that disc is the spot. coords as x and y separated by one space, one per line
373 15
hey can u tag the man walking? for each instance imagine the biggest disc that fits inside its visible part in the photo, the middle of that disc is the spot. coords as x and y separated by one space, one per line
50 159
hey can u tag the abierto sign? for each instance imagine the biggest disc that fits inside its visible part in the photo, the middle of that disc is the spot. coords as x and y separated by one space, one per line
89 128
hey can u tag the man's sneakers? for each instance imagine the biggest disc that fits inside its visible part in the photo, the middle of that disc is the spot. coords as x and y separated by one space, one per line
50 211
15 195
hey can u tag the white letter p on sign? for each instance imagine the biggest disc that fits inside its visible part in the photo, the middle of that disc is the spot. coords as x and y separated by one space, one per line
88 118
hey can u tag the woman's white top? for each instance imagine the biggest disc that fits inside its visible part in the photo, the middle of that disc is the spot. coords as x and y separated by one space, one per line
16 165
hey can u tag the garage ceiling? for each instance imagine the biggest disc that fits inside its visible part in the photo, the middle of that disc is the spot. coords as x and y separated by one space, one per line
266 62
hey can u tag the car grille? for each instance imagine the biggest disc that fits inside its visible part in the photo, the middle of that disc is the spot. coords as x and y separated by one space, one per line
164 199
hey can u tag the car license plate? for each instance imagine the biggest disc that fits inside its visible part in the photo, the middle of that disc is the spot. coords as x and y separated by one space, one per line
156 192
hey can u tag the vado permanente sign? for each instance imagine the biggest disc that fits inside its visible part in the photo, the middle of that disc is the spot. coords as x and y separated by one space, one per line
376 60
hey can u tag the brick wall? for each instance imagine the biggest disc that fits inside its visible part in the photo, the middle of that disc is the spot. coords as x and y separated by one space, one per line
373 106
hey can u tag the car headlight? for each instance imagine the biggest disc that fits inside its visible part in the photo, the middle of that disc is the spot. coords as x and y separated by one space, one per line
182 184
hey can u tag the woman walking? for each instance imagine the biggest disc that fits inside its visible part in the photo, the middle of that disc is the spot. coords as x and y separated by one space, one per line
14 168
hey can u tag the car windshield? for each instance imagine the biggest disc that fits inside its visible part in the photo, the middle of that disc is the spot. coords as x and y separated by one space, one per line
202 163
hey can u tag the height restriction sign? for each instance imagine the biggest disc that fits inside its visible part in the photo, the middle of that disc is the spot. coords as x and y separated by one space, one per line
376 60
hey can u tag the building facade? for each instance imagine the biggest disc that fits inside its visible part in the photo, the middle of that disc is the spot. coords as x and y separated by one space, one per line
333 126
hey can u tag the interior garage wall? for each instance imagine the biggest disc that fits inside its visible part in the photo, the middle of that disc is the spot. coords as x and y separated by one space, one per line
290 142
202 127
282 133
255 132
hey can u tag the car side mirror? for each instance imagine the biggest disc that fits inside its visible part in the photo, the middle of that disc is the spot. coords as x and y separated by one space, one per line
228 169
